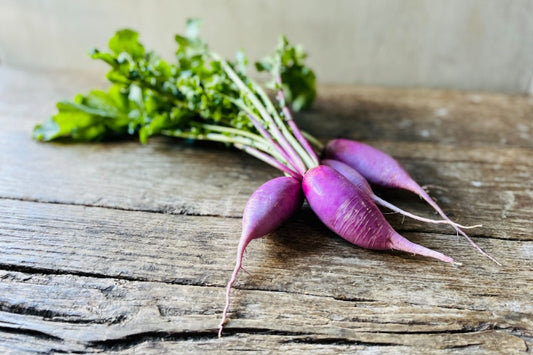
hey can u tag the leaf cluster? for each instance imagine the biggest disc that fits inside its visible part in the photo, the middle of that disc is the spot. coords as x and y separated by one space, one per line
150 96
287 66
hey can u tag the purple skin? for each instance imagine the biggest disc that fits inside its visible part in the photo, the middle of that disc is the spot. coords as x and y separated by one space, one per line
381 169
359 181
268 208
350 212
376 166
349 173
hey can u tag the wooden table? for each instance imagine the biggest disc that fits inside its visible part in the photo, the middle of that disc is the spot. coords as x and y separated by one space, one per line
124 247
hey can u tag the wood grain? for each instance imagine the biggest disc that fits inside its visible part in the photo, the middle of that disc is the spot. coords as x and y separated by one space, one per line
126 248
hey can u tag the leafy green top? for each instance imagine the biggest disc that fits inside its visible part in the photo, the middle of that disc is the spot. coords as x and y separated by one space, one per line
194 97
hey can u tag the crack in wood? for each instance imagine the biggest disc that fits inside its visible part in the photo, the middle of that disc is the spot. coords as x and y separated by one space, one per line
46 271
466 329
131 340
30 332
181 211
337 341
462 346
353 299
32 311
54 316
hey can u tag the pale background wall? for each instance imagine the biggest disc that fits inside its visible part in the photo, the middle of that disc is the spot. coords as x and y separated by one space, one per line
464 44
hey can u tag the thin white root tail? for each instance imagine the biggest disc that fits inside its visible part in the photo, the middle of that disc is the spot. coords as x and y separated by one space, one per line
432 203
228 291
395 208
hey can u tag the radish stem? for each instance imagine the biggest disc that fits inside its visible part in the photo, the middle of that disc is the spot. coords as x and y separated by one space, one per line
306 157
268 159
293 126
291 159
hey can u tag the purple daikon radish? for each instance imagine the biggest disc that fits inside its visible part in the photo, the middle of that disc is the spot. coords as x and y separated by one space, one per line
359 181
350 212
267 209
381 169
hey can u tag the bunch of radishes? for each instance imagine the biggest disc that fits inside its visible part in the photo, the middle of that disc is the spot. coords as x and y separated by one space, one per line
337 189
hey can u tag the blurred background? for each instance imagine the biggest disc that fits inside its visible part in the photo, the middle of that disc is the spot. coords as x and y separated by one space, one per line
484 45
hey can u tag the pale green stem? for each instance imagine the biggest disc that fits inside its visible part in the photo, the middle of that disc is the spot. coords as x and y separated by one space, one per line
268 159
240 143
292 159
236 131
263 143
308 159
263 112
221 138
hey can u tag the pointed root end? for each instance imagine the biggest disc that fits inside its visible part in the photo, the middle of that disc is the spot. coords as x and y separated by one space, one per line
495 261
446 259
400 243
477 247
223 321
228 290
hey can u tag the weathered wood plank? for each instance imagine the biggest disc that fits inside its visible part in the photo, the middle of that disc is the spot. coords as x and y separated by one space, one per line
200 250
106 313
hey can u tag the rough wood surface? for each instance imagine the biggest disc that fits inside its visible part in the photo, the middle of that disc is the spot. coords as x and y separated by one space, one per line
126 248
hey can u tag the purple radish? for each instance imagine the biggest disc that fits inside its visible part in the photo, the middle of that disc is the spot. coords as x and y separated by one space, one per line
359 181
267 209
350 212
381 169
